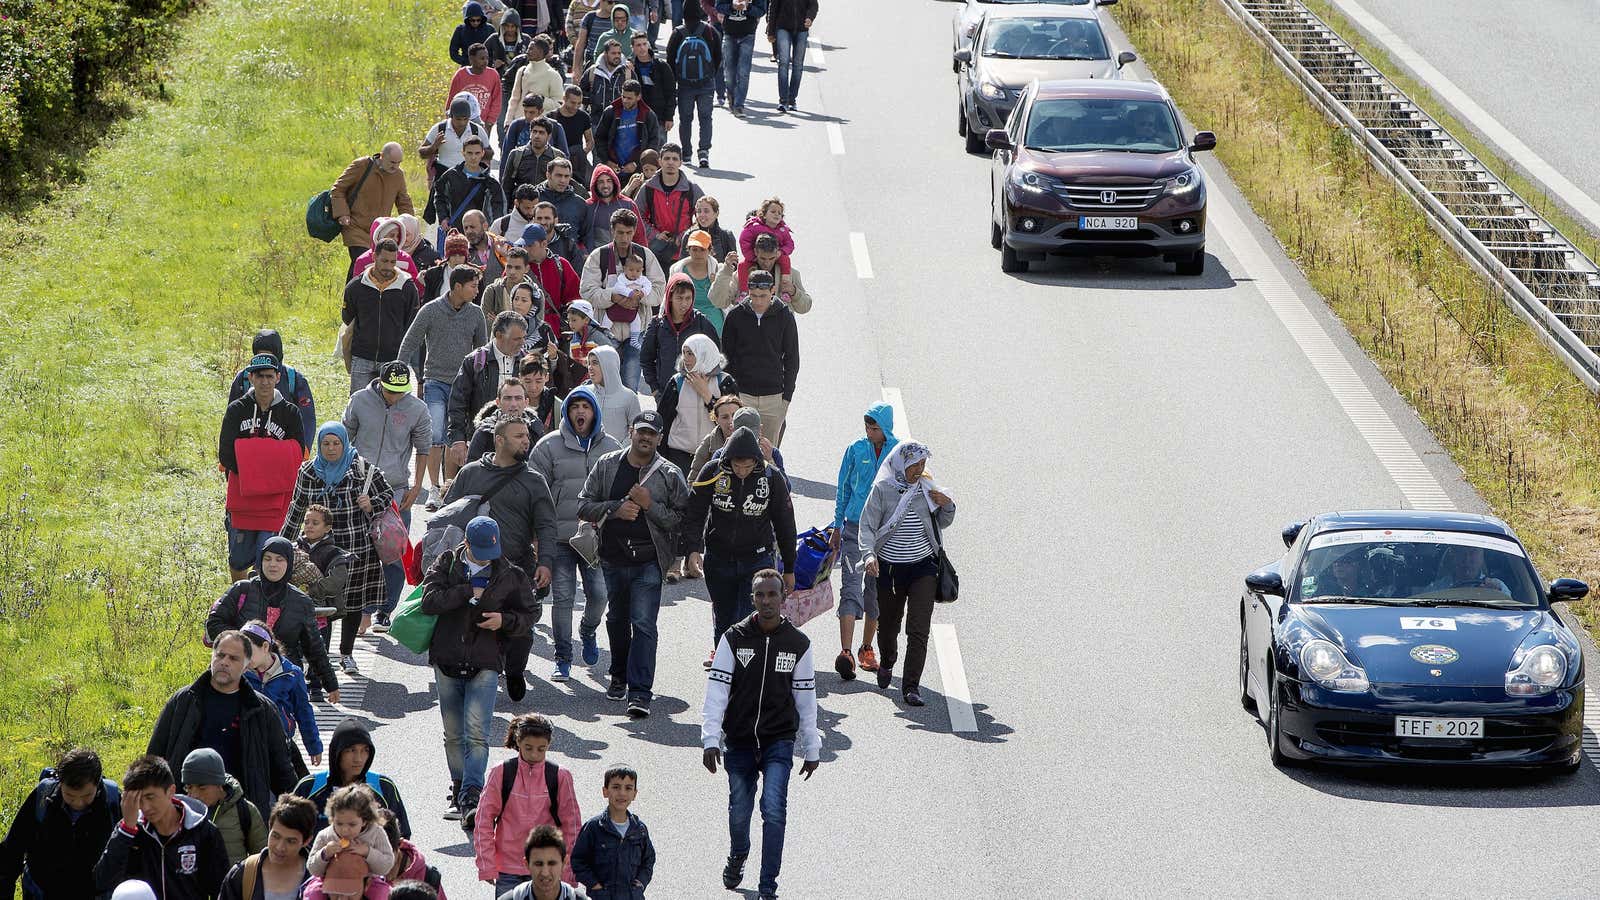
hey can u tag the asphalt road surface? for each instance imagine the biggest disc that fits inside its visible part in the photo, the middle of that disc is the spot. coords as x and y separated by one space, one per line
1123 446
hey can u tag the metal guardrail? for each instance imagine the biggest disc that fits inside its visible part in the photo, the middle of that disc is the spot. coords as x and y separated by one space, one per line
1549 282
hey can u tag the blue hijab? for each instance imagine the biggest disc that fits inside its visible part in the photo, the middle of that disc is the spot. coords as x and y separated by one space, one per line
332 473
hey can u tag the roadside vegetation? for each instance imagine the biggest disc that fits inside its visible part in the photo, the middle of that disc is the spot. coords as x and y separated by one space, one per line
127 303
1525 432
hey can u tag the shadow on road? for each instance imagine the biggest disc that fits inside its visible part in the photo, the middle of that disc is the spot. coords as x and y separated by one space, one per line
1112 274
815 490
934 717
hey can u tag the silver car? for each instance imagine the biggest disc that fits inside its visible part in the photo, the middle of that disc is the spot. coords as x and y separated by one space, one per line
1017 44
965 22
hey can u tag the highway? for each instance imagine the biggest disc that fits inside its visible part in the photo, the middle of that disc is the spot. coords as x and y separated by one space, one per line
1123 445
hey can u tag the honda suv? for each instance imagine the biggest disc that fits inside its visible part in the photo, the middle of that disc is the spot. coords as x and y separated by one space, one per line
1097 168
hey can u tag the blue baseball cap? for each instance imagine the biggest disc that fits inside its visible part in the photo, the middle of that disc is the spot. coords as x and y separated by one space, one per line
483 539
261 362
533 234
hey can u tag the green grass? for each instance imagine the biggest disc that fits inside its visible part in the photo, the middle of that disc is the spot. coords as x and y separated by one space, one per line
126 305
1524 431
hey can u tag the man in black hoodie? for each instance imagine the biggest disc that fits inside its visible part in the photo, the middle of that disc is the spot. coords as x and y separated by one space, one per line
291 382
350 755
60 830
221 711
163 839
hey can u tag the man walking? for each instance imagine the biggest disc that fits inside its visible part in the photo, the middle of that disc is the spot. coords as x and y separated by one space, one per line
762 345
60 831
292 382
557 279
655 75
164 839
480 80
481 600
449 327
260 449
739 19
695 52
858 595
479 377
529 163
761 699
564 457
666 203
389 426
637 499
379 307
626 129
602 83
630 318
368 188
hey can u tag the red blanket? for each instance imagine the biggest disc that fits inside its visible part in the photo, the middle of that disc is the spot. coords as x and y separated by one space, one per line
259 493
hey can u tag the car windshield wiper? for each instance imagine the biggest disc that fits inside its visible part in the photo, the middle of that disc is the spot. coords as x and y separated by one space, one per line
1068 58
1000 54
1506 603
1339 598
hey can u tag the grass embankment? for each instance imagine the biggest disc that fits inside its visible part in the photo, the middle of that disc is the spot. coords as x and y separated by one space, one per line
1525 432
126 305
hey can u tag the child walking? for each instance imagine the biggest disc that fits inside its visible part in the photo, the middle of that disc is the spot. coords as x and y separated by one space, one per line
350 857
516 799
614 856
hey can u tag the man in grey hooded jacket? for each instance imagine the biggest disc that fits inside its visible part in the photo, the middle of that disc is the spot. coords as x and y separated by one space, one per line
564 457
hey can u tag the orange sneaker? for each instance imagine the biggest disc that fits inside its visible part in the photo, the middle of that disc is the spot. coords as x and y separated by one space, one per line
867 660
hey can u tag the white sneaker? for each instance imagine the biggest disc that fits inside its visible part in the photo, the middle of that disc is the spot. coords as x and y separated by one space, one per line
348 664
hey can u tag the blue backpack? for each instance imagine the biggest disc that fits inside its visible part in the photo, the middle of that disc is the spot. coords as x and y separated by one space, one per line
320 780
47 786
813 558
694 57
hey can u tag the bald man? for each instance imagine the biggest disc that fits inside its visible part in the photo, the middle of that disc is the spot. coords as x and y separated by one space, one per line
371 187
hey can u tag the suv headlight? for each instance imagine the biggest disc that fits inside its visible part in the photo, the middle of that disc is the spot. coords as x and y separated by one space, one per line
988 90
1327 665
1025 180
1184 183
1540 671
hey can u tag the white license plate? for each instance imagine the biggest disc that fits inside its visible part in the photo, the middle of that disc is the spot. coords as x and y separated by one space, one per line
1108 223
1419 727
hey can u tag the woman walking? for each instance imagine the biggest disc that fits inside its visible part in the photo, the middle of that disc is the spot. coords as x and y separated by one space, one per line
355 491
686 405
899 538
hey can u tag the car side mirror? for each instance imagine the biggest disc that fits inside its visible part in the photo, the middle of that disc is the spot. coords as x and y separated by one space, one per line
1567 589
997 139
964 56
1105 2
1290 532
1126 56
1204 140
1265 581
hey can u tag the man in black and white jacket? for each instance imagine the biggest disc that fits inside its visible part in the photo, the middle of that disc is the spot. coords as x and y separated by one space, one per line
761 699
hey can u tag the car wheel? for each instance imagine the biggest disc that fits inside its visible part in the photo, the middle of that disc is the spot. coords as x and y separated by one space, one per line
975 141
996 235
1245 699
961 121
1194 265
1274 735
1010 261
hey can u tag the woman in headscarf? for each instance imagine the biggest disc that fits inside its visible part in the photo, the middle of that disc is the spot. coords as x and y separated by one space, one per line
665 336
355 491
388 227
686 404
422 253
270 595
618 404
900 547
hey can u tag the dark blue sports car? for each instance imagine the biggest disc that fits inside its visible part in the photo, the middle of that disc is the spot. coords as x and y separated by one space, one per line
1411 637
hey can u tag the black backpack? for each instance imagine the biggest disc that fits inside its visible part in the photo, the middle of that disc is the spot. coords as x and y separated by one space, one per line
552 775
48 780
693 64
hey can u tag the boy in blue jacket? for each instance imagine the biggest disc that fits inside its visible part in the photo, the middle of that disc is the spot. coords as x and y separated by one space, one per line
614 857
858 595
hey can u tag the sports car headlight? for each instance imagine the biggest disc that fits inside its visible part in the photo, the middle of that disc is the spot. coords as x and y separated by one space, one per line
1184 183
1326 664
988 90
1542 669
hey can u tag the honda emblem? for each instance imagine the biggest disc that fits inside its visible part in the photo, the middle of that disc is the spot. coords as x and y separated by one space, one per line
1108 197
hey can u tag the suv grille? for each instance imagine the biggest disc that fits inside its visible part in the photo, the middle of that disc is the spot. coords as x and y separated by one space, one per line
1109 196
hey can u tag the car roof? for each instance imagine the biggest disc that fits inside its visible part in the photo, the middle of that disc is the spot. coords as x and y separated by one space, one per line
1039 11
1411 519
1100 88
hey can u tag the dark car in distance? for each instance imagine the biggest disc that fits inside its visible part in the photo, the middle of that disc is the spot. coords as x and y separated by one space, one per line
1411 637
1097 168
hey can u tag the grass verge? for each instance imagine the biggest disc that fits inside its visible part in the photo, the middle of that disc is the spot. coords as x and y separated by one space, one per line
126 305
1523 430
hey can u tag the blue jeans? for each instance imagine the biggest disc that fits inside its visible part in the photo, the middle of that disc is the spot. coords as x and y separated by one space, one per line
244 544
505 881
436 394
632 369
737 54
791 63
693 100
394 574
633 594
677 12
467 707
772 765
564 593
728 583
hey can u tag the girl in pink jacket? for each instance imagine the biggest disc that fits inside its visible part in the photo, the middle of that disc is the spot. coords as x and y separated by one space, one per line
498 831
767 220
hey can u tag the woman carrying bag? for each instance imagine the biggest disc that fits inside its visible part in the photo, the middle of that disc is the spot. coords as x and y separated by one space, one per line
901 547
356 492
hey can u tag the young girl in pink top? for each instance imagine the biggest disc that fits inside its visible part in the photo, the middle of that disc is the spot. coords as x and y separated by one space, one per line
767 220
498 832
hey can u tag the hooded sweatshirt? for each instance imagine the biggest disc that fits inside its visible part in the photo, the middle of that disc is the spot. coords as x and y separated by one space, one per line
187 865
260 473
618 404
466 35
564 458
285 608
860 466
738 518
597 219
291 383
317 786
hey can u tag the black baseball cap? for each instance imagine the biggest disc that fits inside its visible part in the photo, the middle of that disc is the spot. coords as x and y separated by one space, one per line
648 419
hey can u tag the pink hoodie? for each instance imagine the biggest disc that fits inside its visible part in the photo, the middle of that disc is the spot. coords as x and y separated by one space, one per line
406 263
499 849
417 870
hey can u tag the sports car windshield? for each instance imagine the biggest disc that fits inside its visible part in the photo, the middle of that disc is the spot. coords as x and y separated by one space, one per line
1044 38
1053 2
1416 568
1073 126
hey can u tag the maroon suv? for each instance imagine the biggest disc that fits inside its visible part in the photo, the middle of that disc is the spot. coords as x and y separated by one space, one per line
1097 168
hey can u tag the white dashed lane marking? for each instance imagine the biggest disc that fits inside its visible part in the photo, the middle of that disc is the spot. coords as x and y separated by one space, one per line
835 139
858 249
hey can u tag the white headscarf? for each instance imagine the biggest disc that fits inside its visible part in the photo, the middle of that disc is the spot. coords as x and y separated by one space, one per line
410 231
905 454
706 355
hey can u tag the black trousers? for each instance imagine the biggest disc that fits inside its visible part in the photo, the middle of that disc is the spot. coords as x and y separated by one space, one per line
905 593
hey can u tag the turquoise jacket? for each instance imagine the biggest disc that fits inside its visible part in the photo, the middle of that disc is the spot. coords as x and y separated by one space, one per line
860 466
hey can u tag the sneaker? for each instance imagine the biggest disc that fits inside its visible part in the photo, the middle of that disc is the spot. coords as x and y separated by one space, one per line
516 686
316 693
348 664
783 108
867 659
710 659
618 690
733 872
845 665
452 814
563 670
380 624
591 650
638 709
705 163
738 112
674 575
434 502
885 675
914 698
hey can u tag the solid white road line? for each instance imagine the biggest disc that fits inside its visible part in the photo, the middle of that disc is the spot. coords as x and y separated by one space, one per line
858 249
1476 116
1394 452
954 676
902 424
835 138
